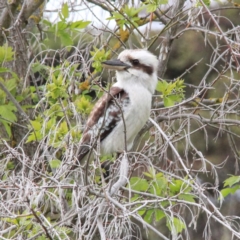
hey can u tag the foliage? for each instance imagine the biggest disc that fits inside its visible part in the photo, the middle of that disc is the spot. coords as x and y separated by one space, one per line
206 2
168 190
152 5
6 54
98 57
63 29
29 228
172 92
7 109
55 124
127 16
230 186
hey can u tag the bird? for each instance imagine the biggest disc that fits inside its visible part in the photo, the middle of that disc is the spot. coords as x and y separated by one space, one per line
121 112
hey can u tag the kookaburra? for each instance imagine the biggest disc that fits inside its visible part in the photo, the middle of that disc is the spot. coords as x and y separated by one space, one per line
120 114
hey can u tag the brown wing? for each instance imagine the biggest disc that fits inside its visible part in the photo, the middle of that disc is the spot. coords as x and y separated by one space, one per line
104 117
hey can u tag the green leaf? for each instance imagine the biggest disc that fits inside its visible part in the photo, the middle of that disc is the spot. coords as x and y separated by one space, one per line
134 198
4 70
40 68
152 5
159 214
11 220
151 173
7 112
162 86
46 22
66 39
175 225
83 105
65 10
187 197
6 53
62 129
50 124
10 166
57 89
175 98
55 163
171 92
36 125
226 191
147 174
151 8
139 184
160 175
158 186
42 237
130 12
79 24
155 189
7 127
99 55
149 216
206 2
116 16
231 181
34 136
176 186
168 102
60 26
141 212
11 84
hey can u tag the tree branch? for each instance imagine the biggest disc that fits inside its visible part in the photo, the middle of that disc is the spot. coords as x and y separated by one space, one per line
167 42
6 17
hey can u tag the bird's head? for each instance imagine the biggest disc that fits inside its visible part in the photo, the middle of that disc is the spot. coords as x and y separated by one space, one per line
135 66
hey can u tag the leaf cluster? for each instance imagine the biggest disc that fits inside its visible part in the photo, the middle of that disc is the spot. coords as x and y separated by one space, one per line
152 5
126 16
168 190
7 108
56 123
231 185
63 30
26 222
172 92
98 56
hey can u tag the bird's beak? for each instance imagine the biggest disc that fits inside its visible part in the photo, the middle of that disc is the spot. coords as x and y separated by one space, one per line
116 64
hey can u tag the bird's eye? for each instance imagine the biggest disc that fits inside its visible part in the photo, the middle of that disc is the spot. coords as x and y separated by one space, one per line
135 61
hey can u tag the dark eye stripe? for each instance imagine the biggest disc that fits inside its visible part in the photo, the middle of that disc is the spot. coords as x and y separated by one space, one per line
146 69
135 61
137 65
